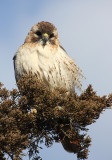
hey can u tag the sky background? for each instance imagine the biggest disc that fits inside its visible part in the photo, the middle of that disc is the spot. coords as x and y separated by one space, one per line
85 31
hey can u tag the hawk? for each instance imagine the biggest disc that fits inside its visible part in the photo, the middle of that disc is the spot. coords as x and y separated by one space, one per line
42 55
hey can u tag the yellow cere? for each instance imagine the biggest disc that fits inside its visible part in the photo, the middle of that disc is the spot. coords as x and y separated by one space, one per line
45 34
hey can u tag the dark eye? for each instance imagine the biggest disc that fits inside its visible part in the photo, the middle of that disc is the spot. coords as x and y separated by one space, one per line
38 33
52 35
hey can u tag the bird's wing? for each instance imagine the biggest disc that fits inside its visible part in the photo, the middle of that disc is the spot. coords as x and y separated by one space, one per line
14 65
69 69
63 49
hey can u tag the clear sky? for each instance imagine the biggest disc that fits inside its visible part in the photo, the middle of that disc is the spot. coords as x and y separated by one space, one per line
85 31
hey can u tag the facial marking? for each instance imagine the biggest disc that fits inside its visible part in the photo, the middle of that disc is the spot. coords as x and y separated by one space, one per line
43 32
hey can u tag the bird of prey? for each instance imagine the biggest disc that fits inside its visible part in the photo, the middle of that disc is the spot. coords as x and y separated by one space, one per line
42 55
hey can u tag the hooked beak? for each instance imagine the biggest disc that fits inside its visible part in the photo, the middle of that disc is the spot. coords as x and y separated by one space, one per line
45 38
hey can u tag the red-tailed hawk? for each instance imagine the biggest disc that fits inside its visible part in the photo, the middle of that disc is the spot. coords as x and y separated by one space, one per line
43 56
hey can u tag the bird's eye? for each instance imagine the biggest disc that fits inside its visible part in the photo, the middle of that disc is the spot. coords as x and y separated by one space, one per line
38 33
52 35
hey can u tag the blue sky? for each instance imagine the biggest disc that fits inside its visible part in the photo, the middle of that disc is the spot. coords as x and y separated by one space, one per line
85 31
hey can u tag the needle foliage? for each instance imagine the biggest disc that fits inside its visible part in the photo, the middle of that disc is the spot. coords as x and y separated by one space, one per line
34 114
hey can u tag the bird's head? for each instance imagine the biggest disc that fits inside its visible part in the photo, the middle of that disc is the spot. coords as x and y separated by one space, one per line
43 33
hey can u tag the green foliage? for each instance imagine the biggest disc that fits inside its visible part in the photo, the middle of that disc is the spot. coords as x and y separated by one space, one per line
35 115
